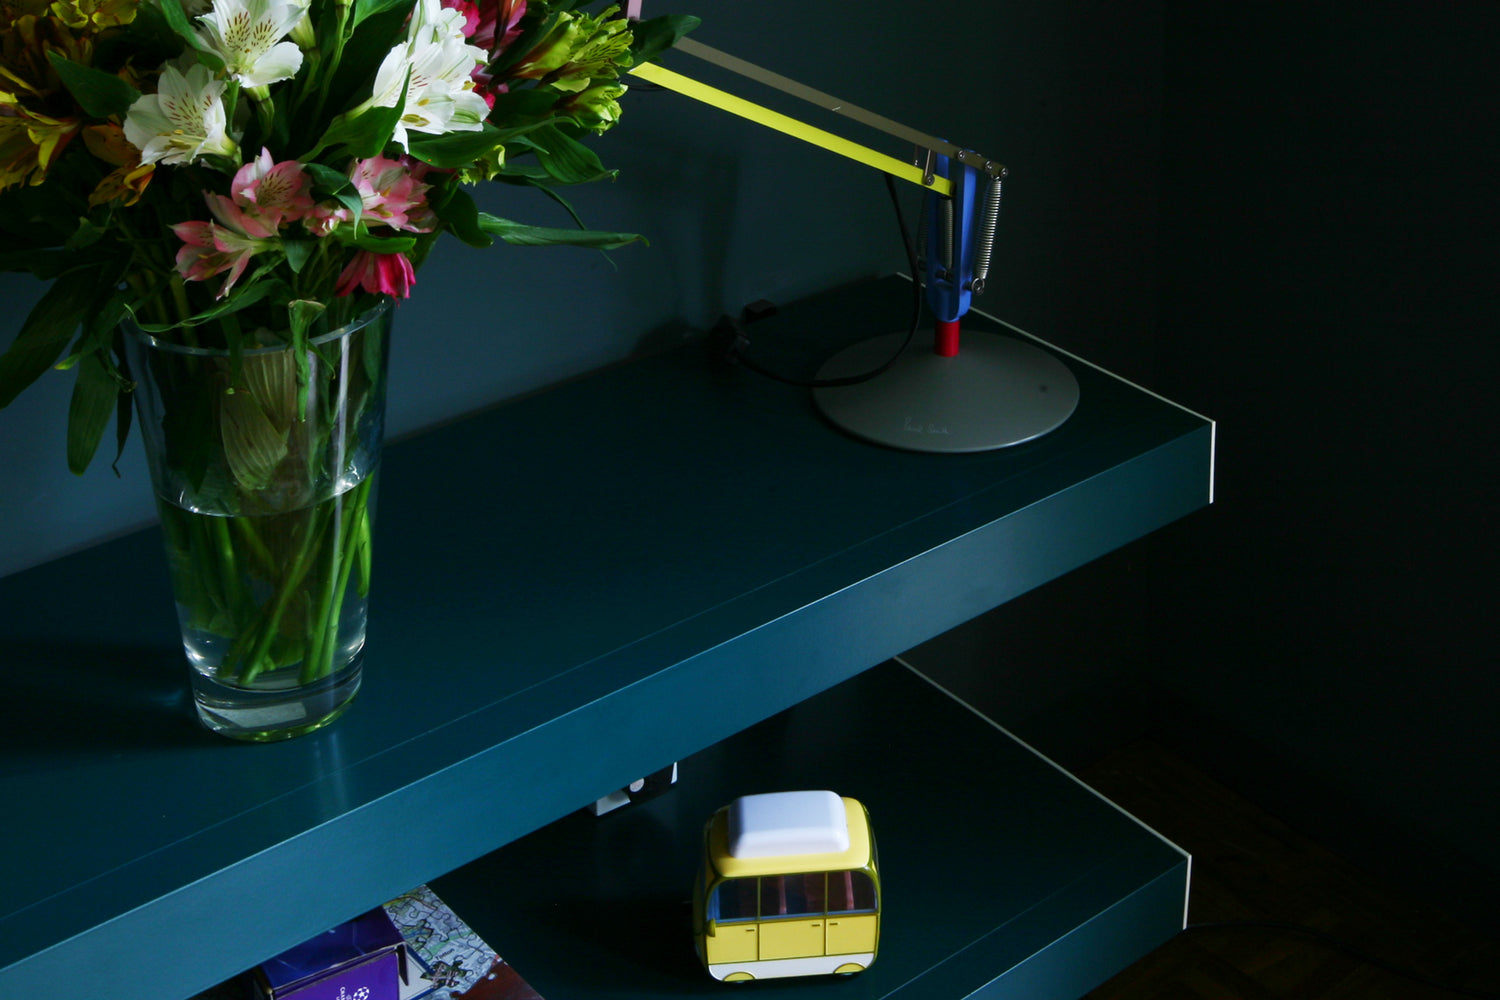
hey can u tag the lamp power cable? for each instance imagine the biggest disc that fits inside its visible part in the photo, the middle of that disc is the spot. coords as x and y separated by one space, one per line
731 332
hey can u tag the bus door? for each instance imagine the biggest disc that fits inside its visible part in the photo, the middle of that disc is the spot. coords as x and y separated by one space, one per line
852 921
792 916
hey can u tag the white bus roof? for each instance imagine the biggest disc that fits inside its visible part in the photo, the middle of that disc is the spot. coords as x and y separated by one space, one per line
776 824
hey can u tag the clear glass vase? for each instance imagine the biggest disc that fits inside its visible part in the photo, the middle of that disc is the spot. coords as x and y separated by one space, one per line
263 461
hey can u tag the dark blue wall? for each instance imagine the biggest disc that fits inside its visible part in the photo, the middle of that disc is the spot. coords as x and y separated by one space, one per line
1066 93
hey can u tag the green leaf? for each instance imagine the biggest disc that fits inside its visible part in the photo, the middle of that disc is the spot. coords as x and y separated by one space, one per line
520 234
655 35
45 334
253 447
99 327
302 314
325 178
382 244
124 413
456 149
360 57
298 253
249 293
524 173
177 19
364 135
459 213
369 8
93 403
527 106
149 40
521 46
539 181
99 93
85 236
331 183
565 159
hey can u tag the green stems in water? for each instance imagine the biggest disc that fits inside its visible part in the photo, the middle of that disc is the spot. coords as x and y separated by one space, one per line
275 587
353 536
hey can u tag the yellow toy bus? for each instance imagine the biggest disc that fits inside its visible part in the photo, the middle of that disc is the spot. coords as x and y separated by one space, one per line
789 886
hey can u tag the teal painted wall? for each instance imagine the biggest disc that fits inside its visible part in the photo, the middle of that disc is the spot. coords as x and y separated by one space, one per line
1066 93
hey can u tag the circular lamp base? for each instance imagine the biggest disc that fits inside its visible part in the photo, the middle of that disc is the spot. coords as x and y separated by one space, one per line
996 392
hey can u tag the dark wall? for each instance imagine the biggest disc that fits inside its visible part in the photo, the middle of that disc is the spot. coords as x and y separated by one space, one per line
1322 638
1330 231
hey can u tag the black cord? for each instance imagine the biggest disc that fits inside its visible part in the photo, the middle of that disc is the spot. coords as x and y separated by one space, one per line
1329 941
739 341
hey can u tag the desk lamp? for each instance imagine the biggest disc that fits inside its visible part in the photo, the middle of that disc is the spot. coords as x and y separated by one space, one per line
995 391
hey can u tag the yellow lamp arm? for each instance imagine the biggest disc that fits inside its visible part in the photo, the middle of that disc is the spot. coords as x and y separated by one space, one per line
725 101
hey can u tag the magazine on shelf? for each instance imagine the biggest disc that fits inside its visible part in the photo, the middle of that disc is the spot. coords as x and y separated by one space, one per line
452 962
446 960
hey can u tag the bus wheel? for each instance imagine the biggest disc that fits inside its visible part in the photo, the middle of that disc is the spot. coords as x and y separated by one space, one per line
848 969
738 977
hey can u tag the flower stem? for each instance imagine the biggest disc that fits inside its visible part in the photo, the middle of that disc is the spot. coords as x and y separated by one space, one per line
264 631
334 57
362 550
342 556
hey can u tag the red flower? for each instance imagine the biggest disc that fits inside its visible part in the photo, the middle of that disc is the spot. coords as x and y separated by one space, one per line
382 273
497 23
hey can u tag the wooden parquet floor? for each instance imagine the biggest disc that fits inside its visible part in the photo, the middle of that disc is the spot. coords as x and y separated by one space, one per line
1249 868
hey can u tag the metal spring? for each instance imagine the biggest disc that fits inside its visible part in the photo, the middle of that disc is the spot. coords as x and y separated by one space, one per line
986 242
945 233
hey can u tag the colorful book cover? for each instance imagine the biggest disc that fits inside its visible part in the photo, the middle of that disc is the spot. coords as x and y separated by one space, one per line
451 962
446 959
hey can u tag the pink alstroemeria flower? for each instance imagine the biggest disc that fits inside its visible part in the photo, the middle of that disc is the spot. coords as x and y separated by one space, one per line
390 192
263 197
278 192
210 248
393 193
382 273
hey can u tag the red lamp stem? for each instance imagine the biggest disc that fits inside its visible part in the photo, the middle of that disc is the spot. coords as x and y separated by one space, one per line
947 338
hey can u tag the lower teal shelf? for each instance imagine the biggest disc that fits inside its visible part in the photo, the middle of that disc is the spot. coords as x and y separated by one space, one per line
1002 875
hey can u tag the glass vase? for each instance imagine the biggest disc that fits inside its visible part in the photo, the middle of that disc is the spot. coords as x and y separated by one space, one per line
263 460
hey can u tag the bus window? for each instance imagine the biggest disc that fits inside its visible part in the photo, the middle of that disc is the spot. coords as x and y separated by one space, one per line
791 895
734 900
850 892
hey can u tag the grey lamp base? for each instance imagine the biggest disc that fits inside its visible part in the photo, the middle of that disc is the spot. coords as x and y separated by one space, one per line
996 392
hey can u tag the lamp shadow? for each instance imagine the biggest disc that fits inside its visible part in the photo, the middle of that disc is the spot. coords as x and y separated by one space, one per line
65 698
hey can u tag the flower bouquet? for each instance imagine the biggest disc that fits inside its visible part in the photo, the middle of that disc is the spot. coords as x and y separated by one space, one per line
226 199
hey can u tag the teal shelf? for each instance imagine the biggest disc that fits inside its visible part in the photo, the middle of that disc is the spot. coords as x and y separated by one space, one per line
572 589
1001 875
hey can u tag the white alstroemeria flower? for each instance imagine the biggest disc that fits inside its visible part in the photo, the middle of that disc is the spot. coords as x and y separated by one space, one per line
440 97
183 121
249 36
